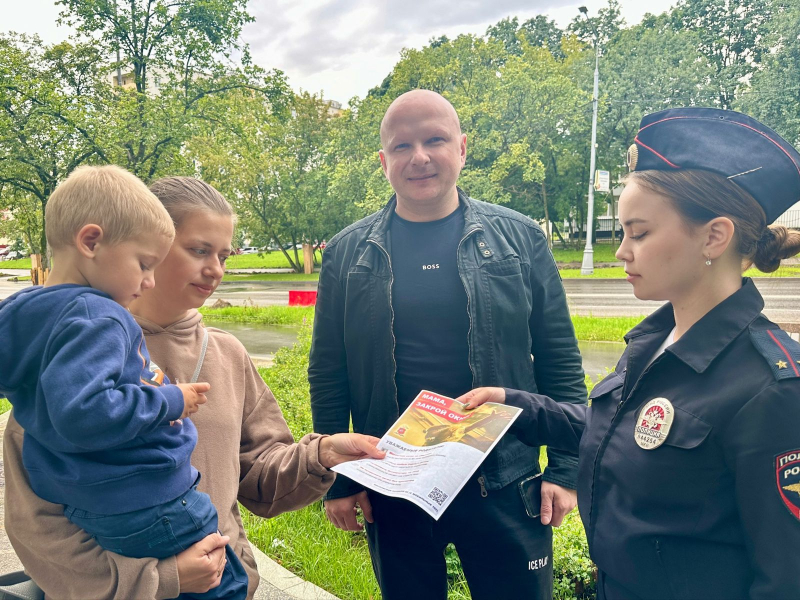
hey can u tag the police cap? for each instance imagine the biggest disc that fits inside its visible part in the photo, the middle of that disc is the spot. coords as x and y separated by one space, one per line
725 142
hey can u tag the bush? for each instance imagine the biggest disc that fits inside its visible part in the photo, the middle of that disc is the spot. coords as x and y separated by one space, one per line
338 561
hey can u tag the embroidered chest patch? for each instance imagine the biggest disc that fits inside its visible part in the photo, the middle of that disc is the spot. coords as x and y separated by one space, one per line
787 475
654 422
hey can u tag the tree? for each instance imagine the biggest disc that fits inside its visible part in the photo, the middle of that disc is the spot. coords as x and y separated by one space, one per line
645 69
538 31
53 107
181 37
60 109
774 92
270 165
732 35
601 28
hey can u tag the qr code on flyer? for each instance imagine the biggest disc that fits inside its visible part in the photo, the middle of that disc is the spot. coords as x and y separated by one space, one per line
437 496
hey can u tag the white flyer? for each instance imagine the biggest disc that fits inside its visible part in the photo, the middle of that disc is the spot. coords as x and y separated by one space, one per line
432 450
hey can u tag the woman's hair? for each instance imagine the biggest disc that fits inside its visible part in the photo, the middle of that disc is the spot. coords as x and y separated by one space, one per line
700 196
185 195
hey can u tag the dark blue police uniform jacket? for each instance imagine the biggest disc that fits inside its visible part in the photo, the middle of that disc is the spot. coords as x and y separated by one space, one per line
714 512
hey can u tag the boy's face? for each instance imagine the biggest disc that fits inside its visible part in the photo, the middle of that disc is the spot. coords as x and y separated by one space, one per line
124 270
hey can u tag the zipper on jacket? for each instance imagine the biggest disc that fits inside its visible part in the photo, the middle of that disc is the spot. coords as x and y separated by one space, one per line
469 311
482 482
604 442
391 310
481 479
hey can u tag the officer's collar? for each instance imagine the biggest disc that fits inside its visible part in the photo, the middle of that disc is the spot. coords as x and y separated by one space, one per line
707 338
383 221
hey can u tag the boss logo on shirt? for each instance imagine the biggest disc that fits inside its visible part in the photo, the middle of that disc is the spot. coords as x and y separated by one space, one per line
429 267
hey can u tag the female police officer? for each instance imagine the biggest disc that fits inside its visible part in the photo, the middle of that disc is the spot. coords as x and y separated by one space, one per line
689 476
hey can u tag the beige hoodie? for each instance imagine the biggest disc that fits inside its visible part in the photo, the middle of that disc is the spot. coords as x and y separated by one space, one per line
244 451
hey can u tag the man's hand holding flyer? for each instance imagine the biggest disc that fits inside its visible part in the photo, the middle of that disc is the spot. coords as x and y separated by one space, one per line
432 450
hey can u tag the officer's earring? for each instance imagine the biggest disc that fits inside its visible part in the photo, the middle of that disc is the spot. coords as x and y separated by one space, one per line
708 261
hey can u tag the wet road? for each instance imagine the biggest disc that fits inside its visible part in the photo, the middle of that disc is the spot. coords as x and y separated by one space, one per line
614 297
598 297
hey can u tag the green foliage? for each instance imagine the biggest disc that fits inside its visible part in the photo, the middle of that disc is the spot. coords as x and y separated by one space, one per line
288 380
774 93
603 329
271 165
5 405
733 37
574 572
603 253
230 277
264 315
263 260
19 263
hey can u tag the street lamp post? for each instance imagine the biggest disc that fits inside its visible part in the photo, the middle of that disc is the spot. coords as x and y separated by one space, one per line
587 267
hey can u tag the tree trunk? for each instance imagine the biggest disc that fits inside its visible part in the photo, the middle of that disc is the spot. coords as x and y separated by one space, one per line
308 259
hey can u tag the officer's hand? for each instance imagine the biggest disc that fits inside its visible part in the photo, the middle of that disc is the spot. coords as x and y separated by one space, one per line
342 511
557 502
474 398
342 447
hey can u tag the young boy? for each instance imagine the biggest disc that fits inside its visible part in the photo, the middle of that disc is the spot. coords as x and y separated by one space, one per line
103 436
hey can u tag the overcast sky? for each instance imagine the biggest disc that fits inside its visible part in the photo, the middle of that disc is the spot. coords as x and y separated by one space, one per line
345 47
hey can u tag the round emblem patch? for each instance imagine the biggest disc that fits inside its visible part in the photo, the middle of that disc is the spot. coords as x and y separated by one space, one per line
654 422
632 157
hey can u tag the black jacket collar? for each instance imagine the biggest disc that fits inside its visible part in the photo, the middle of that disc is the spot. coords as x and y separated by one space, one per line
707 338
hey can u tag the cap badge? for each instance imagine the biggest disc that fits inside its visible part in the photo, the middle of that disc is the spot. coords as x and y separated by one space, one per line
632 157
654 422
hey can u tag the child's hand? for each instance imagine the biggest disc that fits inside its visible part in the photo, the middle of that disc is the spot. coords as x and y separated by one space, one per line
194 394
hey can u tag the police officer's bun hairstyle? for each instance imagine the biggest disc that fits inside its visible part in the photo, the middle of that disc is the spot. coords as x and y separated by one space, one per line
700 196
182 196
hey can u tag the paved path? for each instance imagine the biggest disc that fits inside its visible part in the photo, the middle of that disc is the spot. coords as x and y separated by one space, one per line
276 582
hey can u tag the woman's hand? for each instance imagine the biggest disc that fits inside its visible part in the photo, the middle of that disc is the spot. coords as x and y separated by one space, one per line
200 566
342 447
474 398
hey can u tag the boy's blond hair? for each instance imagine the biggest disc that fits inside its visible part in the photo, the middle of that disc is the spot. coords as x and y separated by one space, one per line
108 196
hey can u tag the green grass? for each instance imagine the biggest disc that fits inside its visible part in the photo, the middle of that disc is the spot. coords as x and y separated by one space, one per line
784 271
271 277
606 273
267 260
603 329
264 315
308 545
5 405
603 253
20 263
619 273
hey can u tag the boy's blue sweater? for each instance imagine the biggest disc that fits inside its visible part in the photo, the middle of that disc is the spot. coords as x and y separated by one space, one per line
97 436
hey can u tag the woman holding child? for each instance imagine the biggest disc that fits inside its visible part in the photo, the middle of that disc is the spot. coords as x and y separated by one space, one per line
689 453
244 451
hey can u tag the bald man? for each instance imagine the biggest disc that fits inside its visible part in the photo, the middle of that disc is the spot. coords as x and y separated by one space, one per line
440 291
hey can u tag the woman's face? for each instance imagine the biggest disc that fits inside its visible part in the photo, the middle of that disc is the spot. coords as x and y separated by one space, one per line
663 256
195 263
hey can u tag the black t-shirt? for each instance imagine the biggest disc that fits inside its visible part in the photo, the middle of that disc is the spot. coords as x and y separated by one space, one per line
431 322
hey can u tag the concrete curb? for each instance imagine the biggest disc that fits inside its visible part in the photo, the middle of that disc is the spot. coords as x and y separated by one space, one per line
287 582
277 583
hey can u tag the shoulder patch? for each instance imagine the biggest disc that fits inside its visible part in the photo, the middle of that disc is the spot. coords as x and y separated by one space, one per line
780 351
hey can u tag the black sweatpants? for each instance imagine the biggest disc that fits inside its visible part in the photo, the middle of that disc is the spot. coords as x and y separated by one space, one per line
505 553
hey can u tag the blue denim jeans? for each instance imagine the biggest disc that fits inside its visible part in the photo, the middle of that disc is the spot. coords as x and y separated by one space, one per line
165 530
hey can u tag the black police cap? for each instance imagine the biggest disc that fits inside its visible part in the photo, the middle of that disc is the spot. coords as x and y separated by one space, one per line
729 143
